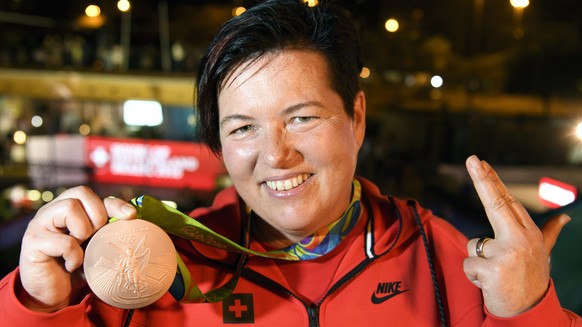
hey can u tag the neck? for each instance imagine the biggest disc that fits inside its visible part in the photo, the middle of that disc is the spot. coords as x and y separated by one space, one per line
272 237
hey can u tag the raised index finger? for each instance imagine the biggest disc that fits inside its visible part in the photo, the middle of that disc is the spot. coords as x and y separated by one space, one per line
497 204
519 211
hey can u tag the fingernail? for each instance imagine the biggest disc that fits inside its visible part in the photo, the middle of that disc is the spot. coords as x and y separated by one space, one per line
128 209
474 161
565 218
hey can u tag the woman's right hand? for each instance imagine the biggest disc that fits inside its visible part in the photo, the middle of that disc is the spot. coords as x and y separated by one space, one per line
52 252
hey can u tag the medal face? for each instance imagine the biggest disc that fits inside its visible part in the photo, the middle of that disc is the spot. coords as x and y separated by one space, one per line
130 264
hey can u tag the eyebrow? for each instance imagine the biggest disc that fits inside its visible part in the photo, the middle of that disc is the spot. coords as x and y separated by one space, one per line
285 112
230 118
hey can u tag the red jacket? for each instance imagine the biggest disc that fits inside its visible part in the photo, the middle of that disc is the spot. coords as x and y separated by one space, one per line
384 279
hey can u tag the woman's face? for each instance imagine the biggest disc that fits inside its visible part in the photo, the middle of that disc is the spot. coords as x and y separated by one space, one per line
287 143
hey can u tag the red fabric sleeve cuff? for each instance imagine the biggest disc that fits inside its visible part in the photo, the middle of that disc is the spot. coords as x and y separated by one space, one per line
14 313
548 312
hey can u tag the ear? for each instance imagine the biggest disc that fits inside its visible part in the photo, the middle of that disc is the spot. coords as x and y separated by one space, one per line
359 120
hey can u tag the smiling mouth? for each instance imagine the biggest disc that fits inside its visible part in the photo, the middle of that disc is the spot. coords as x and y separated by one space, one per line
287 184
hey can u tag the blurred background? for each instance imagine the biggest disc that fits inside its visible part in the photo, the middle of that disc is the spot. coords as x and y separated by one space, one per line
100 93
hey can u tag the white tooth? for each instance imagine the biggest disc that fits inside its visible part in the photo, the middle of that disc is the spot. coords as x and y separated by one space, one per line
280 186
288 183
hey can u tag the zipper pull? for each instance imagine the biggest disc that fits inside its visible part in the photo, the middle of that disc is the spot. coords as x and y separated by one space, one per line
313 312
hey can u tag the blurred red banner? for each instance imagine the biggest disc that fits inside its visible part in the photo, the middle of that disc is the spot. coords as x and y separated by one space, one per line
153 163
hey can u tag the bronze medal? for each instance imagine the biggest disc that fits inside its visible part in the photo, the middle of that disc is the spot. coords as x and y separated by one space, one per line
130 264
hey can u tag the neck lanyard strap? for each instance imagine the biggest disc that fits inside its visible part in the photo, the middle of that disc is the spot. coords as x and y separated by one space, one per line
177 223
184 288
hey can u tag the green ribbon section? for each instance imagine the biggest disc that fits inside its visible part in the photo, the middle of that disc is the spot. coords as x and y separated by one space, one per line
175 222
184 289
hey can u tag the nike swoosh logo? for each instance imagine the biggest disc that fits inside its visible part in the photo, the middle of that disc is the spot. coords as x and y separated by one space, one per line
378 300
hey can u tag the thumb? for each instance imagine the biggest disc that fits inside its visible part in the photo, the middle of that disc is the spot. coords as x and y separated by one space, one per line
552 228
473 268
119 208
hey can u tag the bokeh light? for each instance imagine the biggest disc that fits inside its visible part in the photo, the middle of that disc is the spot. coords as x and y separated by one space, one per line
123 5
237 11
92 11
392 25
365 73
19 137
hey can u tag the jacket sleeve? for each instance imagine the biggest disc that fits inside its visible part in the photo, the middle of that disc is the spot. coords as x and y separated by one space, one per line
548 312
13 313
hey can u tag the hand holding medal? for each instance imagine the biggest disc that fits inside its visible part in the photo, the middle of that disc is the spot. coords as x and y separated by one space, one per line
52 249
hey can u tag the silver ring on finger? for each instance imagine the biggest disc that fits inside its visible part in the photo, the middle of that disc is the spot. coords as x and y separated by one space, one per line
479 246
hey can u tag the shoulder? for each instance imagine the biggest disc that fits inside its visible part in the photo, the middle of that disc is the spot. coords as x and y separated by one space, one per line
409 215
226 204
224 216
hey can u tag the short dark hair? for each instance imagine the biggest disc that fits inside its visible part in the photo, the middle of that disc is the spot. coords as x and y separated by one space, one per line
270 27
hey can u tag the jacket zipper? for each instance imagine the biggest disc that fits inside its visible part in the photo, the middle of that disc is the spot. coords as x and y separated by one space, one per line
313 313
312 310
255 277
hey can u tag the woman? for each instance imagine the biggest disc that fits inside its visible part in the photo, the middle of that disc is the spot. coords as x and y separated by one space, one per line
279 101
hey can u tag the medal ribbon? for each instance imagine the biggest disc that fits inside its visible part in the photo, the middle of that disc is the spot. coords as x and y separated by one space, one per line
173 221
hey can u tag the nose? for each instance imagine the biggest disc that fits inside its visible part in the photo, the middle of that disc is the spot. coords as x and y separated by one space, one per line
278 150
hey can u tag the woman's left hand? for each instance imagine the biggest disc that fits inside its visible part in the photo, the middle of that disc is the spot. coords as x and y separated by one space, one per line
512 269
